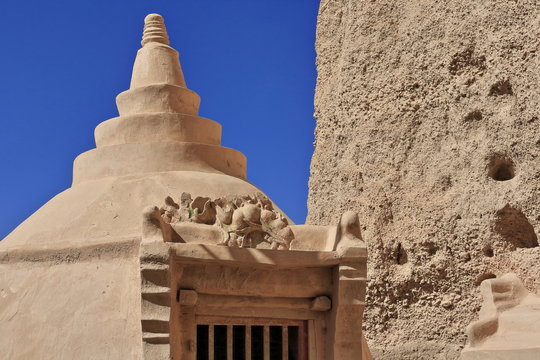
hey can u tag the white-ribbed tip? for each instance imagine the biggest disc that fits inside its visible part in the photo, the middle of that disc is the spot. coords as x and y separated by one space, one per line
154 30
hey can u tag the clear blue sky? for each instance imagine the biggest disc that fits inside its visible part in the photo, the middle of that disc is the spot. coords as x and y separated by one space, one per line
63 62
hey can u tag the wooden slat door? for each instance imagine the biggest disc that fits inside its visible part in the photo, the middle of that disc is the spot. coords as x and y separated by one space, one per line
251 339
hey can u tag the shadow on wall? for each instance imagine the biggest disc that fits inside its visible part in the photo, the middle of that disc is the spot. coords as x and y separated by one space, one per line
514 228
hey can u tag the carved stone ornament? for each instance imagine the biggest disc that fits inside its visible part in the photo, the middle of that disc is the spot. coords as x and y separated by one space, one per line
244 221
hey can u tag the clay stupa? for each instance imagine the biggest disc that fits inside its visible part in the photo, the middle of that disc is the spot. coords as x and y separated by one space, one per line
161 243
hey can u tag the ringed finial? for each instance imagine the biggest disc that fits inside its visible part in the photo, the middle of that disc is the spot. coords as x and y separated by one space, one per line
154 30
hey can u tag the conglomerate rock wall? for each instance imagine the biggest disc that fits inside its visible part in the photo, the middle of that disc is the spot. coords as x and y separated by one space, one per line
428 126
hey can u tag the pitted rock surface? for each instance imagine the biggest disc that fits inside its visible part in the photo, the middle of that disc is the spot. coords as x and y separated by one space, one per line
428 126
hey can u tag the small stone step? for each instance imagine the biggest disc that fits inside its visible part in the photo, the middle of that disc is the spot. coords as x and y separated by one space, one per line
156 338
155 326
155 311
151 288
154 278
158 298
157 351
155 265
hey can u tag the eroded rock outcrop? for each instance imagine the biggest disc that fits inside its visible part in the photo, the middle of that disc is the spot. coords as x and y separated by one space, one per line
427 125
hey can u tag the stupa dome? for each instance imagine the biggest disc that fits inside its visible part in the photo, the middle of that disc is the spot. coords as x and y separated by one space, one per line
157 147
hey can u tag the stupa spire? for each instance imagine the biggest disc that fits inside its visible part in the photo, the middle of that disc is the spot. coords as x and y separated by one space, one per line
157 80
156 63
159 129
154 30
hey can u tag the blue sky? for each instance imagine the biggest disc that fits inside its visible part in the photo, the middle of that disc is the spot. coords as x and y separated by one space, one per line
63 63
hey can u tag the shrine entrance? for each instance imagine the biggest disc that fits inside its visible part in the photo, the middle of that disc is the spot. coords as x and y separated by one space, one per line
213 291
220 338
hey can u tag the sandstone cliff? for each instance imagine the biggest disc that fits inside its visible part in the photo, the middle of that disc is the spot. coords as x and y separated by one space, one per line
428 126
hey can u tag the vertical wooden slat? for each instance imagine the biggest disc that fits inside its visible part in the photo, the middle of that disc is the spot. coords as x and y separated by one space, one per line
248 342
196 340
229 342
302 342
211 342
266 338
312 346
285 342
319 338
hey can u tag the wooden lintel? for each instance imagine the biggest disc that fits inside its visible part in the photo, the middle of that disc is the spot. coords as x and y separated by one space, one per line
243 302
197 253
238 313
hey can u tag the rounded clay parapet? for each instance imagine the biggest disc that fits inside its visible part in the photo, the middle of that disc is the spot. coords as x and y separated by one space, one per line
159 98
140 158
157 128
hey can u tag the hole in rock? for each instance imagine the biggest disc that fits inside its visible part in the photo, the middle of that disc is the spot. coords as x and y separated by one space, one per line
488 251
401 255
466 60
502 87
430 248
514 228
501 168
483 277
475 115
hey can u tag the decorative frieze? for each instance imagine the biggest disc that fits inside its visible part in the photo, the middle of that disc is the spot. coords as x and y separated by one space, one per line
245 221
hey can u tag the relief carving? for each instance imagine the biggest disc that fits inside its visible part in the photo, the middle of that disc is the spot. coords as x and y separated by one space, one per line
245 221
504 294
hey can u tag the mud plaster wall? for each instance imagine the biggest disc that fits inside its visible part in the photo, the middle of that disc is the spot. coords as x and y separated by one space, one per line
71 304
428 126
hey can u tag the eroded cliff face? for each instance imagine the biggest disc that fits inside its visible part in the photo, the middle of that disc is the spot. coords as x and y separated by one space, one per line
428 126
